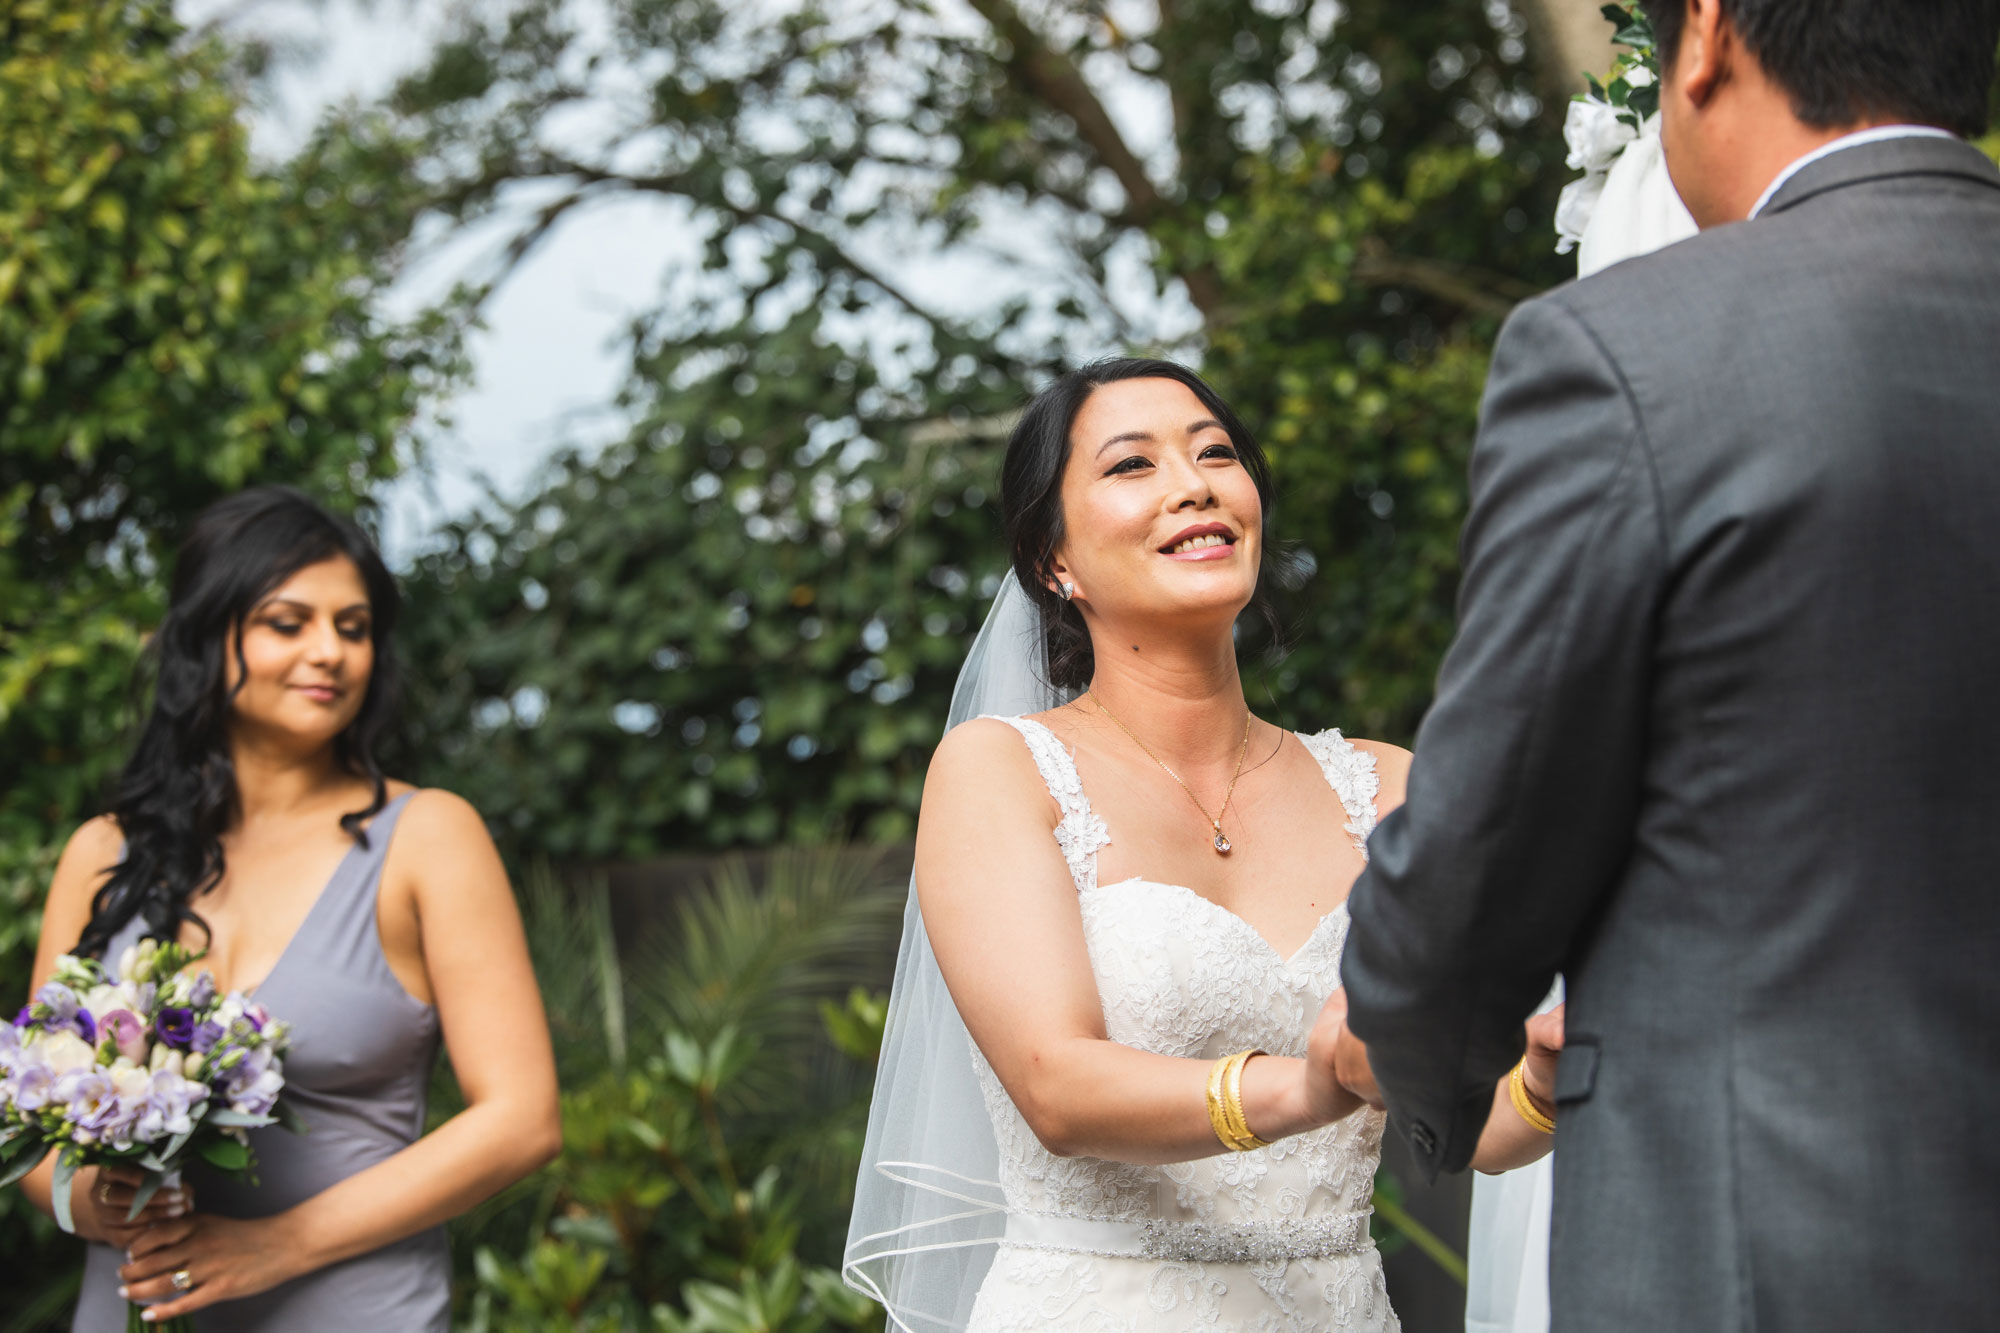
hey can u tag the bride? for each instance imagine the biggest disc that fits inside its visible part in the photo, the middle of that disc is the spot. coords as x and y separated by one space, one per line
1107 1097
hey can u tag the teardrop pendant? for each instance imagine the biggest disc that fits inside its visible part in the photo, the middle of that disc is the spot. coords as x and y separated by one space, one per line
1221 843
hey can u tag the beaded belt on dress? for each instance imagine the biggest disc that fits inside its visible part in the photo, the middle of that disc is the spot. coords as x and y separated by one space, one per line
1192 1242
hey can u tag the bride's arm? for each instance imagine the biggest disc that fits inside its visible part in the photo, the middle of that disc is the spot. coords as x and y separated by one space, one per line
1003 919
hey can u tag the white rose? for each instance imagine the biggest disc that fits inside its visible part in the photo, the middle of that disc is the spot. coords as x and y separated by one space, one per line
1639 77
63 1052
131 1082
167 1058
101 1000
1595 134
1574 208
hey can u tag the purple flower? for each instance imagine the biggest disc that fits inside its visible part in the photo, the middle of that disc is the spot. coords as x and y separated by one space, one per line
127 1033
93 1108
203 994
29 1087
26 1017
176 1027
167 1107
204 1038
253 1085
61 1003
84 1026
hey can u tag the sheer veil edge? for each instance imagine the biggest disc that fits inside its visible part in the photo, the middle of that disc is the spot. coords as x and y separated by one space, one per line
928 1207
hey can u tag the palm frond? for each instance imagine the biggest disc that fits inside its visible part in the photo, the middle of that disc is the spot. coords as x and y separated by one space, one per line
574 948
761 957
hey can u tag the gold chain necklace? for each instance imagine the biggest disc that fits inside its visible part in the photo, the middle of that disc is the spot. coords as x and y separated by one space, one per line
1221 843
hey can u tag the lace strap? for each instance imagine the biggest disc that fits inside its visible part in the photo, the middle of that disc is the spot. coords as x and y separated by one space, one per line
1080 833
1350 771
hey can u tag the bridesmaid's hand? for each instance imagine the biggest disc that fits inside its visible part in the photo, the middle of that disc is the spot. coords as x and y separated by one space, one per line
225 1259
1333 1057
100 1197
1545 1044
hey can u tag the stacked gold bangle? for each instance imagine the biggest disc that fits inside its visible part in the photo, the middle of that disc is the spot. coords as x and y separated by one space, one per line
1517 1092
1225 1103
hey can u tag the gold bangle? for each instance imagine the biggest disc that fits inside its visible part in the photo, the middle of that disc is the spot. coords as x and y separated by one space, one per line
1217 1120
1232 1101
1517 1092
1225 1085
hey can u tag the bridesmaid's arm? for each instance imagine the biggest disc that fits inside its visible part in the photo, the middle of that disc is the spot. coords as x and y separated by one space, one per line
475 956
1004 922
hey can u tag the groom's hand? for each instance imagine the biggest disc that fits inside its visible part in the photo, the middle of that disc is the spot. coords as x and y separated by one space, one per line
1349 1053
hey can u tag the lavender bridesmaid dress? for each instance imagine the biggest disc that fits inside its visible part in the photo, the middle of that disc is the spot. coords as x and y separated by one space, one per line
358 1072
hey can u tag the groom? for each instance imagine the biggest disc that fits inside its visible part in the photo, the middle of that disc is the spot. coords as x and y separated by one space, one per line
1719 739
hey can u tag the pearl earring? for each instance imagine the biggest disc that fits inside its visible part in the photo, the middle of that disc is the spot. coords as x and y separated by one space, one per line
1067 590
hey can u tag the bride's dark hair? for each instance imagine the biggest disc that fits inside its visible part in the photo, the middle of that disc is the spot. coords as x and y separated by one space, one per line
1031 497
177 794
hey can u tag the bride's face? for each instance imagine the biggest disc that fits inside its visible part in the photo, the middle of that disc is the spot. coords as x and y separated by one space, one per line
1160 518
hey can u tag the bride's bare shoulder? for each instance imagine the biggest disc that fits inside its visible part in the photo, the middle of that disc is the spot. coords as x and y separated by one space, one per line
984 763
982 748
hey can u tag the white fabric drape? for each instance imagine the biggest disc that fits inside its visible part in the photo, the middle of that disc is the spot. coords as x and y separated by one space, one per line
1639 211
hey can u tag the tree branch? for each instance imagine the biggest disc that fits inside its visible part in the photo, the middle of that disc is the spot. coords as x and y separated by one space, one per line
1188 91
1052 77
599 179
1055 79
1473 289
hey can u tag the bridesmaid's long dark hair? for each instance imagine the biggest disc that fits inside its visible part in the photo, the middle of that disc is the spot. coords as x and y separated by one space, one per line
177 794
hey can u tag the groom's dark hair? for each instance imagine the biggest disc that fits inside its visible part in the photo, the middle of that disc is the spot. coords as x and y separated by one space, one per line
1925 61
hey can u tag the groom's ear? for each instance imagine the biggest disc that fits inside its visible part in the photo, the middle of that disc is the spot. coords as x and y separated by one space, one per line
1706 53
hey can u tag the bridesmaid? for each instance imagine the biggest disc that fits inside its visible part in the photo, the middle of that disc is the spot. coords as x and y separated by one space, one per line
252 820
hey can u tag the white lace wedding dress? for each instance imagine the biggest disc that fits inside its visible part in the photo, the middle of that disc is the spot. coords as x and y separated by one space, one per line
1275 1239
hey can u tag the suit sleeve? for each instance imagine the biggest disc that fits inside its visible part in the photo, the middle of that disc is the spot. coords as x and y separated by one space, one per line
1523 792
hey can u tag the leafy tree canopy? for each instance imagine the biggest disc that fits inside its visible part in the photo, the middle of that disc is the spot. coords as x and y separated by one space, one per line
741 621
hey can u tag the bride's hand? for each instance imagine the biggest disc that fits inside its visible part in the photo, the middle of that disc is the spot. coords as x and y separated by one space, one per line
1337 1078
1545 1043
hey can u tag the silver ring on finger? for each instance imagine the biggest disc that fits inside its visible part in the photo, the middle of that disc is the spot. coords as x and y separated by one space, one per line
182 1280
104 1193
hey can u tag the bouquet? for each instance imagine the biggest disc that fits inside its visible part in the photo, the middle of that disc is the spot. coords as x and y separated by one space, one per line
148 1067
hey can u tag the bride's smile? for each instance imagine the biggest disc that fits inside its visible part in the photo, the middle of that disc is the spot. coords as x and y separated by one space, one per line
1163 518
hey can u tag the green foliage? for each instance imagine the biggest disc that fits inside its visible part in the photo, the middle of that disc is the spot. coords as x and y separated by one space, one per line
740 623
176 321
1633 85
704 1182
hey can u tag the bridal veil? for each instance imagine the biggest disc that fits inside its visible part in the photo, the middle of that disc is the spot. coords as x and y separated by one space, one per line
928 1209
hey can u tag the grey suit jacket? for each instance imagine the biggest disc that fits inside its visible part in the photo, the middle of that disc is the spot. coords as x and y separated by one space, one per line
1719 740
